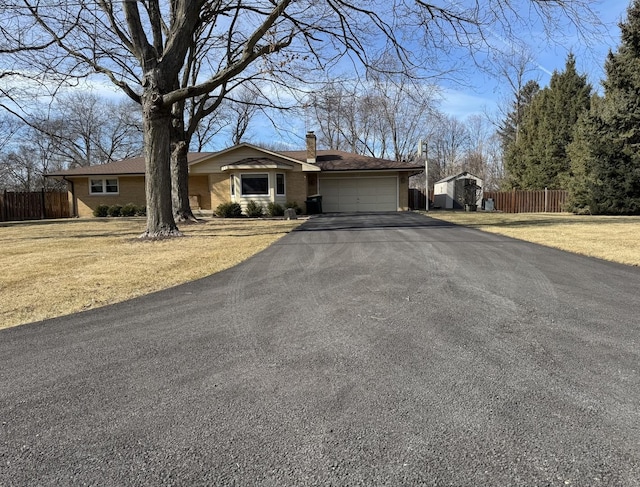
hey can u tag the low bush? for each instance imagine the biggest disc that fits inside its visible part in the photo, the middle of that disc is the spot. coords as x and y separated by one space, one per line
114 210
101 211
274 209
254 210
229 210
129 210
141 211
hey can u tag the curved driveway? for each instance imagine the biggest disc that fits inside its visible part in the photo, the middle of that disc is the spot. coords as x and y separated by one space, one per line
386 349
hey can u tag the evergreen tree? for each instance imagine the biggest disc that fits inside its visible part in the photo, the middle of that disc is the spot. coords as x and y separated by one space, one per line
583 153
538 158
510 129
605 158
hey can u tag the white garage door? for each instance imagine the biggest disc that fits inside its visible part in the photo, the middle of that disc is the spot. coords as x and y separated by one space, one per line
361 194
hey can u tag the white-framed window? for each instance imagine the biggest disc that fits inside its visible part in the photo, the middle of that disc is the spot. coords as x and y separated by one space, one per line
103 186
254 184
280 184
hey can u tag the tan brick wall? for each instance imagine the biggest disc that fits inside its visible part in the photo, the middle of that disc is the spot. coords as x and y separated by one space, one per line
131 190
296 187
220 189
199 186
403 188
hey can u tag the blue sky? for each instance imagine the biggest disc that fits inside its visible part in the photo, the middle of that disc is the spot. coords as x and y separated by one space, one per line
485 94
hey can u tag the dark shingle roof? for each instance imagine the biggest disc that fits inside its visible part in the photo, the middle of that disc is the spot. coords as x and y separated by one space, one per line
326 160
126 166
333 160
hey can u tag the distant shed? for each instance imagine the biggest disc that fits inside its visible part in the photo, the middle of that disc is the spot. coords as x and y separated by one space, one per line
456 192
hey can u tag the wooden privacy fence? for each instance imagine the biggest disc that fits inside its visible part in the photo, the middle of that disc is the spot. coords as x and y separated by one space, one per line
417 201
33 205
546 200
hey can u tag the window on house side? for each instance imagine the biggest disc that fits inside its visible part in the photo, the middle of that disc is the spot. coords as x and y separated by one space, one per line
254 184
111 185
95 186
102 186
280 184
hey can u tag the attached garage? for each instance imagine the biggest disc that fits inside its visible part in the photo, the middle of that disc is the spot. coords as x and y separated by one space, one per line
362 194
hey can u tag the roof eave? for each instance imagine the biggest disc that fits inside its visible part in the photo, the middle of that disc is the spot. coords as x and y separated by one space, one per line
352 170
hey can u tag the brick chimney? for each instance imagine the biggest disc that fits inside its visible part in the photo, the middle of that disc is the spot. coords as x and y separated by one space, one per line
311 147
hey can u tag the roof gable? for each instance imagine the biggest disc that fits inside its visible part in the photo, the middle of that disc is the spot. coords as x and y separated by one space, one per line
245 152
463 174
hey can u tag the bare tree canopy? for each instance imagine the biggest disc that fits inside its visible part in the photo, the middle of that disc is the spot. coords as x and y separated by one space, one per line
143 47
87 130
380 117
79 129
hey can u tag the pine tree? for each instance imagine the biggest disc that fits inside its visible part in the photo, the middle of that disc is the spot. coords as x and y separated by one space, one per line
509 132
583 153
538 159
605 159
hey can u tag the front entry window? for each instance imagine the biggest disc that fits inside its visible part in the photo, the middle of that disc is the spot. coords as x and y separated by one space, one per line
254 184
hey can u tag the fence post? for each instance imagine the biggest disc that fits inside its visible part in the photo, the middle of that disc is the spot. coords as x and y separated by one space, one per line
546 199
43 205
5 207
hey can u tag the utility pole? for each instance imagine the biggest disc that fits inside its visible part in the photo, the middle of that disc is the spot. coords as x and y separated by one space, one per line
423 151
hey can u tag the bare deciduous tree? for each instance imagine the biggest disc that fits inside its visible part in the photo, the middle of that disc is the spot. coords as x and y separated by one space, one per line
381 118
24 164
334 109
8 128
85 129
90 130
448 139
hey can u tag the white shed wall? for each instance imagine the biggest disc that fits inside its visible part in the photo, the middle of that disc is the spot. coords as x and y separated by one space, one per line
443 194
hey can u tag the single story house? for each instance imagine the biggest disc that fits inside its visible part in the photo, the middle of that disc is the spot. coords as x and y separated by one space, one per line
347 182
458 191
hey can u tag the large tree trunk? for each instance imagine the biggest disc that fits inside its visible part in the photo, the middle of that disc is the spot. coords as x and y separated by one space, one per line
157 148
180 168
180 184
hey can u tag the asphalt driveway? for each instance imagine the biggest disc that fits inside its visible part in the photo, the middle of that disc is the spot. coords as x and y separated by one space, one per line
386 349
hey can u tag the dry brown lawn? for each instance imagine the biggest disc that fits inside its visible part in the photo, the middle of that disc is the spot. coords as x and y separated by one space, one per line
59 267
614 238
